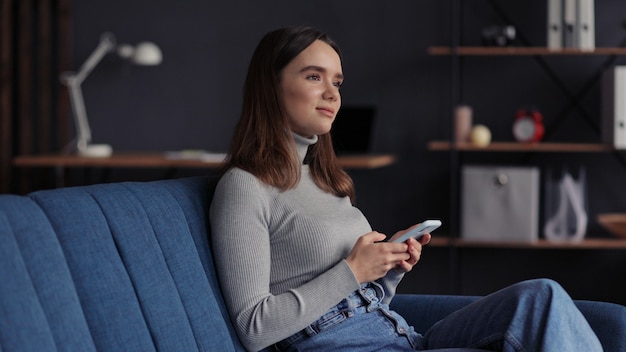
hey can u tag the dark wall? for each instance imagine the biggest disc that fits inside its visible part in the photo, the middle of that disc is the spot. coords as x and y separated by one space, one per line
192 99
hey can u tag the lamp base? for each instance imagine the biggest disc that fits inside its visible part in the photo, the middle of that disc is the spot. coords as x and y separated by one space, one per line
96 151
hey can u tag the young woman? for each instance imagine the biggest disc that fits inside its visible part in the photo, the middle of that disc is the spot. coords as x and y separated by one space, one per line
299 265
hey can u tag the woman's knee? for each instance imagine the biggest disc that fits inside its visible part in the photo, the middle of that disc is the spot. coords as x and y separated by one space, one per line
541 285
546 288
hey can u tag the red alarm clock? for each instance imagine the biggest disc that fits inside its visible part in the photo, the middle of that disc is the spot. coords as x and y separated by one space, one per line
528 126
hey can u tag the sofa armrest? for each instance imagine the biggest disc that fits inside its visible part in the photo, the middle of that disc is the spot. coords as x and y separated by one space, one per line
608 320
422 311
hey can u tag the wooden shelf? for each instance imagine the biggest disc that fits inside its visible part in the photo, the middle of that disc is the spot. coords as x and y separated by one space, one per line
160 160
366 161
521 147
520 51
592 243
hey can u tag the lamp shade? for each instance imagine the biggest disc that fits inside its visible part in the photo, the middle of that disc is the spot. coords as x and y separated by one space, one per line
144 53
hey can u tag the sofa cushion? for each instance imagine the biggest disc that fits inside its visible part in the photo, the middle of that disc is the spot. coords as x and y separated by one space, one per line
39 306
131 250
608 320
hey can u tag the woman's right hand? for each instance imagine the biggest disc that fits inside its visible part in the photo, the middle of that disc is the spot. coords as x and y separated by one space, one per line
371 259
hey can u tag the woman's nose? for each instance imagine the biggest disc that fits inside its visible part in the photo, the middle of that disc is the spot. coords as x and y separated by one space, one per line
331 92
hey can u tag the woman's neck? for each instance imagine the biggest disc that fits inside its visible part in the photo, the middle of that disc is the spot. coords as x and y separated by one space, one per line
303 144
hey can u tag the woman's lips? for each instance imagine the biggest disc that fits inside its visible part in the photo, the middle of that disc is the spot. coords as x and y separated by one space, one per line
327 111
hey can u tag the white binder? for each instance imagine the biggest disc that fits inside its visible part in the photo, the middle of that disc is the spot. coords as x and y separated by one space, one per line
614 107
555 24
570 9
585 26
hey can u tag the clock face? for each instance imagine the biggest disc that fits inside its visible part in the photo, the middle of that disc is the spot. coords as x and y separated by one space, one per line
524 129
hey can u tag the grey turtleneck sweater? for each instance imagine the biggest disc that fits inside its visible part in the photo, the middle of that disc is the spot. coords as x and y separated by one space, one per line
280 255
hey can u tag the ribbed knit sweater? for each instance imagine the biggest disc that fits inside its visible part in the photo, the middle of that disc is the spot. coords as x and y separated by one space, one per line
280 255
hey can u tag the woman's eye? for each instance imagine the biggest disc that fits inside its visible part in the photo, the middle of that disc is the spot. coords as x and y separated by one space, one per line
314 77
338 84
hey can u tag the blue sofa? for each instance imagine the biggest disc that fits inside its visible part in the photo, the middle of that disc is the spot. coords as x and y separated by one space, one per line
128 267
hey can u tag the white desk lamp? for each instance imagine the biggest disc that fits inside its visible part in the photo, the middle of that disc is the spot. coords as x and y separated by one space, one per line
144 53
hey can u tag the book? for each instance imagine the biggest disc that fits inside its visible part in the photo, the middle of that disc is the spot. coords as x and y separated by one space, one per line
555 23
585 26
569 23
614 107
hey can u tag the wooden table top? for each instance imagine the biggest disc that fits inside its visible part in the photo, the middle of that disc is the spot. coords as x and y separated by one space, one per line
169 160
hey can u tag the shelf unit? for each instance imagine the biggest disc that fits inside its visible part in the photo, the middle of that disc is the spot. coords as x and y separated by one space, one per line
516 147
456 52
465 257
511 147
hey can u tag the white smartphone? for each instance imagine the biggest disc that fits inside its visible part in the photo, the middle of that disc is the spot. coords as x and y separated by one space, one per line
425 227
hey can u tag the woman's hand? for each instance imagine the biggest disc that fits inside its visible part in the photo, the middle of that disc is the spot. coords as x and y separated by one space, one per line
414 250
371 259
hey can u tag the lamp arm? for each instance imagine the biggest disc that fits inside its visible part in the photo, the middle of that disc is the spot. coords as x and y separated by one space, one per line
74 80
83 132
107 44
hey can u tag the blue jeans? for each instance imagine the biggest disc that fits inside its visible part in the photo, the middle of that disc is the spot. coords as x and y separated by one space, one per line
353 324
534 315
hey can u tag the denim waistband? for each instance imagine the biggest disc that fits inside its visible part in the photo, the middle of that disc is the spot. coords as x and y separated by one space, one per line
365 299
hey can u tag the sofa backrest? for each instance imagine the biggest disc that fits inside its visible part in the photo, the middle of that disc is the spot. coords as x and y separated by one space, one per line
111 267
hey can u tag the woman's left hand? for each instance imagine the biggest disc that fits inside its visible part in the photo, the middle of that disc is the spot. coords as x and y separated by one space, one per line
415 251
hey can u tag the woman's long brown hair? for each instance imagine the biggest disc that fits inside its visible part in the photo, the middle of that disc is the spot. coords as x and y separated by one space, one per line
262 142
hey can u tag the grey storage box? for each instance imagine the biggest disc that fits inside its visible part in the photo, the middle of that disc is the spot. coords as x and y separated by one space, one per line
500 203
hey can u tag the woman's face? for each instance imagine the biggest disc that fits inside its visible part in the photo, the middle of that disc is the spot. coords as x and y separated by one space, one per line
310 89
